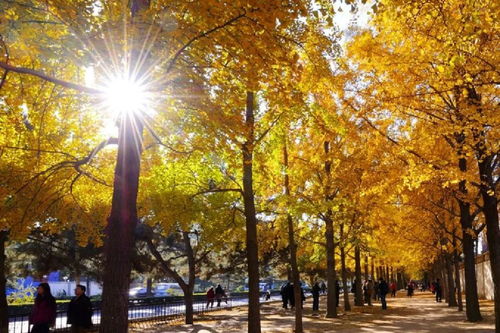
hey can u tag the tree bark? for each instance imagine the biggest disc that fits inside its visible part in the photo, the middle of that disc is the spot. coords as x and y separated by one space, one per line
331 301
452 300
293 252
120 229
457 273
4 316
490 211
358 300
471 299
251 220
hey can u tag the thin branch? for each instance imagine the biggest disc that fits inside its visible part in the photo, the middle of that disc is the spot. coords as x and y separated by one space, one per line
43 76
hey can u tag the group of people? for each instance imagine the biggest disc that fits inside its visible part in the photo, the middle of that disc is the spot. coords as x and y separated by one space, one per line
216 294
288 296
378 290
43 315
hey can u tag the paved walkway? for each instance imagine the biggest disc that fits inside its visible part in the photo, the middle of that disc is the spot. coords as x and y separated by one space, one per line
419 314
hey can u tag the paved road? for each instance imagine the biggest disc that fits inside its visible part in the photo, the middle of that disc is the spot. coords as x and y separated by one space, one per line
420 314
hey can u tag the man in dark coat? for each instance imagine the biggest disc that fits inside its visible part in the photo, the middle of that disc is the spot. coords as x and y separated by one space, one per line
383 289
284 295
290 295
337 292
438 290
315 294
80 311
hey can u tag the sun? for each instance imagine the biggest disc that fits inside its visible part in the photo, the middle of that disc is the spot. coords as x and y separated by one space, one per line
124 95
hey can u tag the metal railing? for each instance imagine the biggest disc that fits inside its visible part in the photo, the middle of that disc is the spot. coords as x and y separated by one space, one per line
141 312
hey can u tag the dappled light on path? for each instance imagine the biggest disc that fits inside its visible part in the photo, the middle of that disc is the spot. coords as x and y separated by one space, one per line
419 314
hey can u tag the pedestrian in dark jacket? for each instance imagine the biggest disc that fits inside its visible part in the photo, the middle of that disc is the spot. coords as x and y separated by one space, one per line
438 290
383 289
337 292
219 293
284 294
290 295
80 311
316 289
43 315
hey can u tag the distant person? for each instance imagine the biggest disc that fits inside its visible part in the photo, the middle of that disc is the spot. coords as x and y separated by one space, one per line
393 288
219 294
368 290
268 294
43 315
323 287
284 294
316 289
302 295
80 311
376 293
438 290
210 297
337 292
383 290
409 289
290 295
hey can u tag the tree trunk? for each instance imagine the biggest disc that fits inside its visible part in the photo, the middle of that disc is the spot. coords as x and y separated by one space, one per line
358 300
490 211
188 287
347 305
372 270
293 252
120 230
472 311
4 316
452 301
331 301
251 220
457 273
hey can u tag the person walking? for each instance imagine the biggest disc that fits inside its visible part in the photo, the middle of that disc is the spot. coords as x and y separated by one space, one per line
438 290
409 288
210 297
80 311
219 293
393 288
375 291
290 295
337 292
383 290
369 291
43 315
284 294
316 289
323 287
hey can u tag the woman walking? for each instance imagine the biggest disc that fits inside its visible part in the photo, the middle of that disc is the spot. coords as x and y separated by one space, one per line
43 315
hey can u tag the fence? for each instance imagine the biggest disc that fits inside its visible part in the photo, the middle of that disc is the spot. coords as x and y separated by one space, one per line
141 313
